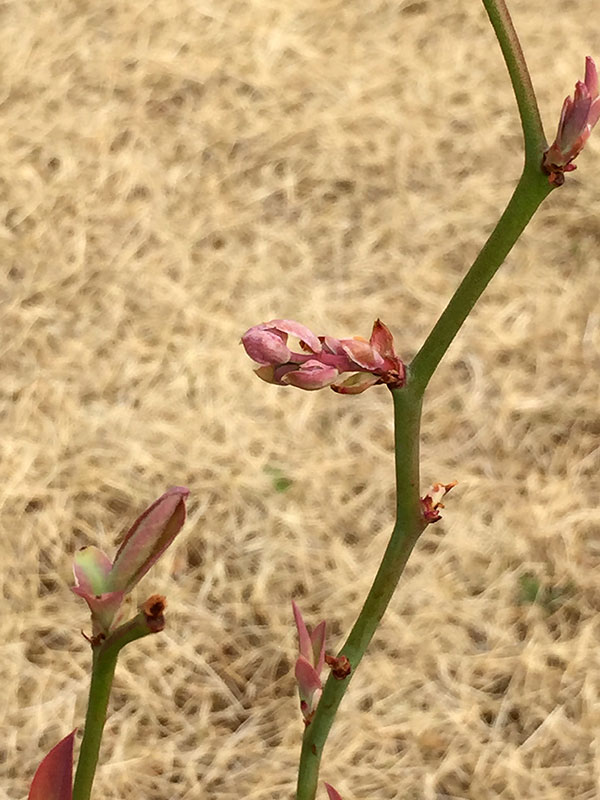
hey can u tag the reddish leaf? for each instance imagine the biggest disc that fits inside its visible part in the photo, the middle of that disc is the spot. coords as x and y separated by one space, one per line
333 795
53 779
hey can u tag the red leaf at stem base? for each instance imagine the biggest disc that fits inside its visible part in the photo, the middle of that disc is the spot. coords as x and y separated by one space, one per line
53 779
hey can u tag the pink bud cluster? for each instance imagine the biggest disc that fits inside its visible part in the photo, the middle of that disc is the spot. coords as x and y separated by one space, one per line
578 116
309 664
323 359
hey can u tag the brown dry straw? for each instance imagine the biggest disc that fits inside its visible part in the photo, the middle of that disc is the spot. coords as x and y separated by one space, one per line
173 172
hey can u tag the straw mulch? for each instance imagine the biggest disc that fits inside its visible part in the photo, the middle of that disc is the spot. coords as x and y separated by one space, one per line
173 172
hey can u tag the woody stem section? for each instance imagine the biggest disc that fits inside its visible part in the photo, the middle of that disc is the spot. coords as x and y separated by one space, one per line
409 525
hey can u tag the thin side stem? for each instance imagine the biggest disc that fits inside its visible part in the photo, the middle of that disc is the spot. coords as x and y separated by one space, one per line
409 525
105 657
527 197
533 130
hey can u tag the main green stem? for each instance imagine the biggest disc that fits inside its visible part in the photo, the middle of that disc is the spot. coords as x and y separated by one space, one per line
408 527
531 190
105 657
529 193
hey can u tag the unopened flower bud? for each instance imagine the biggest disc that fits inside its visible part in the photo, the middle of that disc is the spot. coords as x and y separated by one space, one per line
323 360
103 584
578 116
309 664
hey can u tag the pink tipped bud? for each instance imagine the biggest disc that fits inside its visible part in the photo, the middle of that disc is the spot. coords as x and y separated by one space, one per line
266 347
102 584
309 664
148 538
578 116
311 645
53 779
267 343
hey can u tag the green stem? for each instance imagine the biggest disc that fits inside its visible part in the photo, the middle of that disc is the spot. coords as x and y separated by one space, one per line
105 657
528 195
531 190
409 525
533 130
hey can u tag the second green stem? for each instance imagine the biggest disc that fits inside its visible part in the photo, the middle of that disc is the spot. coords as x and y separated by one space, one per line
105 657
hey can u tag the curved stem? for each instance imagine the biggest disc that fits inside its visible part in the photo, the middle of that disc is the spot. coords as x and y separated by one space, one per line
105 657
533 130
528 195
531 190
409 525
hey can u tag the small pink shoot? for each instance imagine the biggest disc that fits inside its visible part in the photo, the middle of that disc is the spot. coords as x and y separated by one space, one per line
323 360
53 779
578 116
103 583
309 664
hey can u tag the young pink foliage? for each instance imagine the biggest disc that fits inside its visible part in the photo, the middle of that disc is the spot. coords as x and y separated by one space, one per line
309 663
53 779
148 538
333 794
324 359
578 116
103 584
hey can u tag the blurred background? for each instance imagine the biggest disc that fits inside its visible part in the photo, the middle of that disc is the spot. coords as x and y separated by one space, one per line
173 172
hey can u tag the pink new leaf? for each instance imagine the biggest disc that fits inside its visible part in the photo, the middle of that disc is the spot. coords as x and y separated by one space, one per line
578 116
53 779
333 794
307 678
317 639
148 538
382 340
304 640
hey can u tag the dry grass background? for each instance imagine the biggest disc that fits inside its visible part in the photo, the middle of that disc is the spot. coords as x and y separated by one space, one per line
175 171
